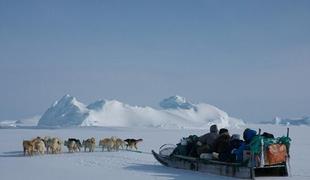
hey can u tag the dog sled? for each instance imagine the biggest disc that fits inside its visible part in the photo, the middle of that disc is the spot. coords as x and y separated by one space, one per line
258 163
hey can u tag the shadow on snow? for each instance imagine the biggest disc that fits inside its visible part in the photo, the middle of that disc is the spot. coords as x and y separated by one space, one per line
157 170
12 154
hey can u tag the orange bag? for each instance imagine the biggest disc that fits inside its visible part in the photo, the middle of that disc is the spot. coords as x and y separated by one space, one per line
275 154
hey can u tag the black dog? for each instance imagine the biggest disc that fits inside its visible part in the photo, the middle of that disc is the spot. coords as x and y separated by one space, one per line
77 141
132 143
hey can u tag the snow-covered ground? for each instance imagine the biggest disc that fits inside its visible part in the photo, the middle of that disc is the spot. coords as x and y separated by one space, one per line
123 164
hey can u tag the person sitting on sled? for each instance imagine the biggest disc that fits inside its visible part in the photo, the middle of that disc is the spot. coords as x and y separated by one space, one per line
221 144
205 142
230 154
248 135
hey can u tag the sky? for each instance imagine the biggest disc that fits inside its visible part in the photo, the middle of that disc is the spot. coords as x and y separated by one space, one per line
249 58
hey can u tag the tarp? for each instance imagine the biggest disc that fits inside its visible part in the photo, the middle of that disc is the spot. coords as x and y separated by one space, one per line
255 145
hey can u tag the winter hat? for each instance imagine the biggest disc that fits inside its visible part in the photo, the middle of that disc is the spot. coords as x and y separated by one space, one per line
213 128
223 130
248 134
235 137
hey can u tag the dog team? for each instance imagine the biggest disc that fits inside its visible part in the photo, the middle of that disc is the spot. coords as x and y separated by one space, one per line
53 145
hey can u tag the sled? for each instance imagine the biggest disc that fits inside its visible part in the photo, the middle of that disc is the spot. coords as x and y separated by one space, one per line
245 170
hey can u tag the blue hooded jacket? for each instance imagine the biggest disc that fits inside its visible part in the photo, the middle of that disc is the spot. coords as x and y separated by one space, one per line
248 135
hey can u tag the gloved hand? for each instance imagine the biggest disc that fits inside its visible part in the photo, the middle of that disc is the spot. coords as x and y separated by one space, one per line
215 155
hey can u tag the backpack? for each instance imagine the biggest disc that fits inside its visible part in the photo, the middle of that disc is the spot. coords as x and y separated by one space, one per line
186 144
267 135
275 154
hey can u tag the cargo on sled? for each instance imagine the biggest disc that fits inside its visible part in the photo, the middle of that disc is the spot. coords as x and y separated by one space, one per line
266 157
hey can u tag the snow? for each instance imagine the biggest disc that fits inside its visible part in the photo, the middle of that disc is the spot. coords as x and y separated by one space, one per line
176 112
291 121
124 164
26 122
64 113
8 123
97 105
176 102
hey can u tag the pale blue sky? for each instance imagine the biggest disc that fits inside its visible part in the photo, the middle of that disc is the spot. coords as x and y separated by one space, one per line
249 58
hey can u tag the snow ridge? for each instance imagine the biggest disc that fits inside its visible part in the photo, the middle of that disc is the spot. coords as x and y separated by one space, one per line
176 102
64 113
292 121
176 112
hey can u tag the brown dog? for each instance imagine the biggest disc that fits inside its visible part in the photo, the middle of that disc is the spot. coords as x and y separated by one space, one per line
132 143
28 147
107 143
